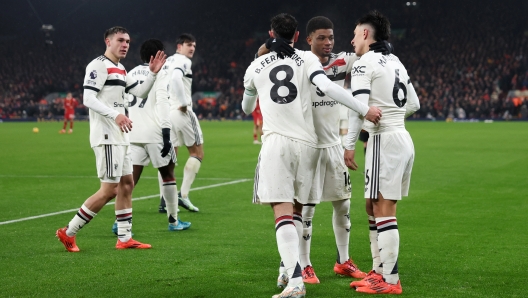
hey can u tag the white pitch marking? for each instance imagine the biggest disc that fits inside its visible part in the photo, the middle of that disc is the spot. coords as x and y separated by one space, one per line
113 203
83 177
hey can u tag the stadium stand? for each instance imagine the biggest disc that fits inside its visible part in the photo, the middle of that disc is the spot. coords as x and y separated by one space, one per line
464 65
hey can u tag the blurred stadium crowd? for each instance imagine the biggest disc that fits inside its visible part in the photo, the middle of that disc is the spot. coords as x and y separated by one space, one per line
464 65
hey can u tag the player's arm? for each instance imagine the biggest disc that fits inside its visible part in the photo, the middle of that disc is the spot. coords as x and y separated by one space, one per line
278 45
177 90
249 99
339 94
94 80
413 103
141 90
163 112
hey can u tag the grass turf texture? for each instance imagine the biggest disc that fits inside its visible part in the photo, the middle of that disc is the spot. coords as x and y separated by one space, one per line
461 228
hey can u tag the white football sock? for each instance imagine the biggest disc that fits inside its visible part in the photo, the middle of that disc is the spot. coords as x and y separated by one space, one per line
306 240
341 224
288 245
374 250
192 166
389 245
124 224
83 217
170 193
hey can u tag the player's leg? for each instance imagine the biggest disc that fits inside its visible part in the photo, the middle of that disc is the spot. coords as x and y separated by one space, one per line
170 194
287 242
71 123
188 133
63 130
89 209
192 166
308 212
259 129
305 243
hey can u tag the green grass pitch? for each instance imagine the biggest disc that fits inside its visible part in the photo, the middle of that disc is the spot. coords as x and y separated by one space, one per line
462 228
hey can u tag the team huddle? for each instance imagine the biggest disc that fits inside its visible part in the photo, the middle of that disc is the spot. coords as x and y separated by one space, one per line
302 161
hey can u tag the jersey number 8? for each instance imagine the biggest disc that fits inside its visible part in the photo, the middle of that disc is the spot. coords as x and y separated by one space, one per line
286 82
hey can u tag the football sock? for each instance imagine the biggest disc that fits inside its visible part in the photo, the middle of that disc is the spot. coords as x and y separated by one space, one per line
83 217
192 166
297 221
374 250
288 245
389 244
160 182
306 240
254 136
64 125
170 193
341 224
71 125
282 269
124 224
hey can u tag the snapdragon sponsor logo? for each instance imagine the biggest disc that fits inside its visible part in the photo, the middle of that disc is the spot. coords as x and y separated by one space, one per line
324 103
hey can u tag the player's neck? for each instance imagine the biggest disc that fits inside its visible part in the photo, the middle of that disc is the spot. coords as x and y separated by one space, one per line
111 57
323 59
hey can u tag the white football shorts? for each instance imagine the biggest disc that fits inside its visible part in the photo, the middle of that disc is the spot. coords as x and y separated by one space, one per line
112 162
332 180
388 165
186 129
285 170
143 154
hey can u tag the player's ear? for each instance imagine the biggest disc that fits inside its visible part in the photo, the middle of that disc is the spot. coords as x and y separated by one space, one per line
271 34
296 36
309 39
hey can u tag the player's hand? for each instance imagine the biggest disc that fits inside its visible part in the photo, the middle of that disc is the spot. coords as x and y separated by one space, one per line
280 46
157 62
124 123
349 159
183 109
167 144
384 47
373 115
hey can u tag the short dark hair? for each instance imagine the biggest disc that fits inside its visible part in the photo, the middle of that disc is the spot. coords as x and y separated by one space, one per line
379 22
284 25
114 30
317 23
184 38
149 48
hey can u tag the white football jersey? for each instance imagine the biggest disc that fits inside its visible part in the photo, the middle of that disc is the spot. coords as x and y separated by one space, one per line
179 62
326 111
386 81
110 81
144 112
283 87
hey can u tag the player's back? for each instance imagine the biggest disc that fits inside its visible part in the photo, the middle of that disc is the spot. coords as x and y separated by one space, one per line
388 80
142 111
283 86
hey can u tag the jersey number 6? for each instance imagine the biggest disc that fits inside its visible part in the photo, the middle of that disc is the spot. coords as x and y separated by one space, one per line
397 86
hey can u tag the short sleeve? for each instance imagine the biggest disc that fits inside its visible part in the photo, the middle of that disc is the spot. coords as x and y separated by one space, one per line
95 76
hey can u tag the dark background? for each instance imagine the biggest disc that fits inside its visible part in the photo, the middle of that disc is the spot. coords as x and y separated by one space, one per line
469 48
